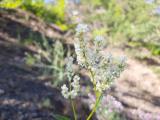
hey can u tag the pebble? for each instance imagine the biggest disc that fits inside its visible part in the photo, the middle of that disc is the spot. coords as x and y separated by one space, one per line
2 91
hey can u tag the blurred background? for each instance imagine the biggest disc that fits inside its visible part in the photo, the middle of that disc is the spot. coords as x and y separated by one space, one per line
36 36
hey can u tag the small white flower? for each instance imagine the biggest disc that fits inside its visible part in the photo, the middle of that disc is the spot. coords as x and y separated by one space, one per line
69 64
99 38
99 42
64 88
109 58
75 13
70 59
76 78
98 87
81 28
75 84
101 86
75 88
79 53
73 94
64 91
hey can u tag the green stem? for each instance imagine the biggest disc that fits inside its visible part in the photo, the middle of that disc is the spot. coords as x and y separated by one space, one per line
95 107
74 111
72 104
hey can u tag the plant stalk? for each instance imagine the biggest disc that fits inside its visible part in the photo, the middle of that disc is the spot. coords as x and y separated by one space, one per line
72 104
95 107
74 111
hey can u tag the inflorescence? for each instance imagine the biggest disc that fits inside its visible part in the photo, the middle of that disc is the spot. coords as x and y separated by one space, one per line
103 68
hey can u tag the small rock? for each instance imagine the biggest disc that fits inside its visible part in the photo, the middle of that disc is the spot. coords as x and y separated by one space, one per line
1 92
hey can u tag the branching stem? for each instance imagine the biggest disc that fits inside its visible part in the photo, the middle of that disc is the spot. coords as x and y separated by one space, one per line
95 107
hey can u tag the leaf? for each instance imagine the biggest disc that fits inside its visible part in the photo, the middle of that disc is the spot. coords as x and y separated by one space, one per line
30 60
60 117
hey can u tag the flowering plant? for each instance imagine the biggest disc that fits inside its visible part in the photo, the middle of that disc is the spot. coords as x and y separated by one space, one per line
102 69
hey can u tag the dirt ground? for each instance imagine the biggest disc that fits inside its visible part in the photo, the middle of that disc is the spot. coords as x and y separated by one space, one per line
138 87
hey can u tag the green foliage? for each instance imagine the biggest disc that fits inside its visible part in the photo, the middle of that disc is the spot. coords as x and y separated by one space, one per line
100 31
129 20
10 3
50 60
115 116
92 2
30 60
151 46
49 12
154 48
156 69
59 8
132 19
58 62
60 117
46 103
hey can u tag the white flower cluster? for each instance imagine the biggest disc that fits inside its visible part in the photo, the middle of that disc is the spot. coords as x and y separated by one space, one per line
65 91
72 92
79 53
69 70
74 86
98 40
106 69
81 28
103 68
